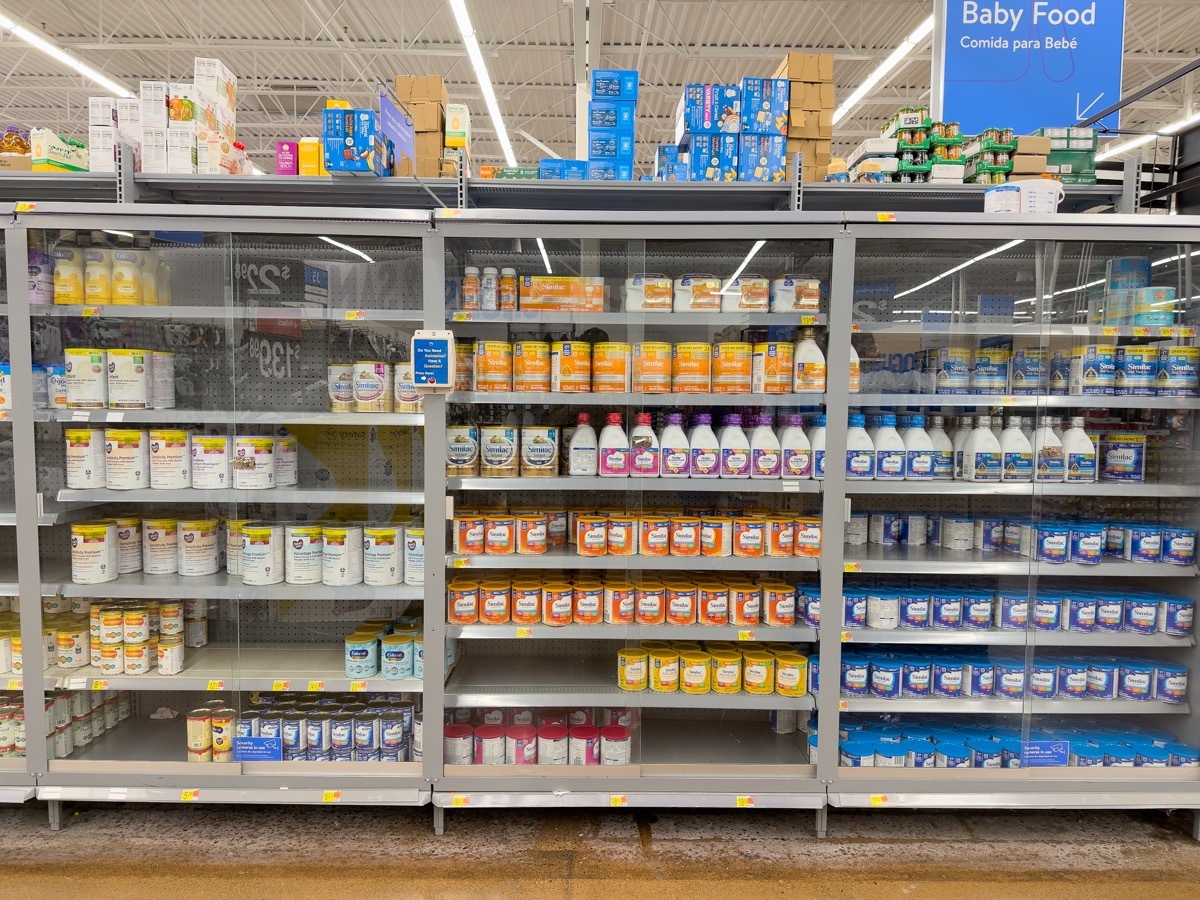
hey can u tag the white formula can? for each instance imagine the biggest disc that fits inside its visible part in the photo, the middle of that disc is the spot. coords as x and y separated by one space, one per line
414 555
130 373
342 557
287 460
233 545
126 459
405 397
262 554
305 548
210 461
253 463
170 618
195 633
85 458
170 656
94 552
198 546
195 608
341 387
372 387
383 561
162 383
129 544
56 387
160 546
170 459
87 377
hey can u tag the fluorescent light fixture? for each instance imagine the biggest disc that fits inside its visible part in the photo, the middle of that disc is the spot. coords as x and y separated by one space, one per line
742 268
545 256
459 8
1117 149
894 59
40 43
347 248
958 268
127 234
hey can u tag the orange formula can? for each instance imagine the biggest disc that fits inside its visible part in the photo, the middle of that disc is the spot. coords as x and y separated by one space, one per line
749 537
651 604
654 536
779 604
691 368
493 366
771 369
681 603
808 536
714 604
588 603
558 602
556 528
685 536
652 368
462 601
726 671
527 603
731 368
531 534
468 534
464 365
571 367
716 536
781 536
611 371
622 536
531 366
500 538
495 602
619 603
745 603
591 535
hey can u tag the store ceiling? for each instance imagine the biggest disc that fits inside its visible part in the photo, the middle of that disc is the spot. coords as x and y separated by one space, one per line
291 54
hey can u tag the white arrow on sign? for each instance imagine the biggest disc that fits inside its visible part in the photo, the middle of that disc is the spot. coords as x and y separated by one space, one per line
1079 115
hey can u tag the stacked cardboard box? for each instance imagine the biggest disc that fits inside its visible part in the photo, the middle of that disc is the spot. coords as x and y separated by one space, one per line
177 127
810 110
426 99
1029 159
612 113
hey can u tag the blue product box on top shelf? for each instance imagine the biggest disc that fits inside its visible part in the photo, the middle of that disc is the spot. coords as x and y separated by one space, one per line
610 143
349 139
610 114
761 157
614 84
674 172
712 108
575 170
609 170
713 157
665 155
765 105
551 169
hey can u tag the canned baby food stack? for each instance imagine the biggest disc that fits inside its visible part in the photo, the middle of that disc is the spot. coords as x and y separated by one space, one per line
74 719
118 378
690 667
544 737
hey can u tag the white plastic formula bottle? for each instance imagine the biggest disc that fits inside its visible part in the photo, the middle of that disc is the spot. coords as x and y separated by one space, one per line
919 451
581 452
735 449
643 448
796 449
1079 453
675 453
943 450
766 459
1049 464
614 448
706 451
959 439
816 440
808 364
982 458
1017 453
889 450
860 452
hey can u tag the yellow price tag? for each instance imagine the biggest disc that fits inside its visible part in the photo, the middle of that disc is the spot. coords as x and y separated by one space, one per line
316 685
744 802
460 800
747 635
885 217
189 795
847 637
1109 331
281 685
1186 332
1008 401
1140 331
461 317
879 799
809 320
331 796
843 705
100 685
852 567
355 315
855 328
358 685
462 563
524 632
14 684
618 800
25 207
215 685
90 311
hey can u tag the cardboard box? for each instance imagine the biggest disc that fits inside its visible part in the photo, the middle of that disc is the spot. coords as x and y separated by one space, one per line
761 157
711 109
665 155
1071 162
713 157
1028 165
561 293
102 112
1032 145
181 149
551 169
154 150
51 153
287 158
349 139
310 157
765 105
815 152
809 96
610 143
9 163
813 125
212 78
102 148
427 117
611 114
609 170
575 170
814 174
615 84
154 97
422 89
458 125
809 67
674 172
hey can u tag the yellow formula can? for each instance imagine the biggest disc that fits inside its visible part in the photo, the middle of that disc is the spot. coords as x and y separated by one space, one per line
571 367
664 670
531 366
652 368
771 368
695 672
464 365
731 368
791 674
758 672
493 366
691 368
726 671
632 669
611 371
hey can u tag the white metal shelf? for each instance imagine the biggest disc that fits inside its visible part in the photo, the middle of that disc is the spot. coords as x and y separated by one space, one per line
1022 401
997 638
305 313
858 487
637 485
636 319
998 706
234 495
634 632
556 398
969 329
232 416
138 586
927 559
561 559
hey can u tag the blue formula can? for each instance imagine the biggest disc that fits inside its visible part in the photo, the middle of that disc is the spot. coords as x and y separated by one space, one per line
1012 535
947 678
1010 678
341 732
248 724
1114 540
1152 758
978 677
885 529
885 678
887 755
1012 612
1078 614
856 676
811 608
857 752
1141 614
884 732
1179 545
977 610
1087 544
1178 372
1110 611
1043 679
1176 615
985 753
914 609
915 676
1047 613
1102 679
989 533
1170 683
293 731
1137 371
1118 755
916 732
914 531
1010 753
366 731
1184 755
341 755
1029 371
1142 543
1072 679
933 530
395 727
952 369
1060 374
918 754
952 756
1085 755
855 609
1052 542
814 673
945 609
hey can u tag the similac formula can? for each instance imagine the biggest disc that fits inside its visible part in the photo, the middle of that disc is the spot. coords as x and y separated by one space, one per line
520 745
469 534
620 602
732 364
1136 371
262 557
539 451
685 535
691 368
758 672
253 462
713 604
531 534
779 605
129 544
383 560
87 378
588 603
781 536
652 368
654 536
611 368
162 379
170 459
464 364
558 603
1179 546
771 368
160 546
493 366
632 669
85 458
583 745
1093 370
1029 371
414 555
463 602
340 385
616 743
716 536
130 374
531 366
462 450
571 367
287 460
94 552
1122 456
405 396
500 535
372 386
304 548
126 459
1179 372
498 451
682 599
342 554
210 461
664 670
791 674
990 374
795 293
749 537
552 745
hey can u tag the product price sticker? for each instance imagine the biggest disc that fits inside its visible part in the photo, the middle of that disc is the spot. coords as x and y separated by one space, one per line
843 706
331 796
1110 331
355 315
618 800
316 686
462 563
879 799
855 328
216 685
847 637
524 632
747 635
1142 331
461 317
1181 332
24 207
852 567
885 217
15 684
89 312
460 800
744 802
99 684
810 320
281 685
189 795
358 686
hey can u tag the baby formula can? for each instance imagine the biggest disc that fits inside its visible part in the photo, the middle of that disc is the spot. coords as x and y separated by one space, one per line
383 562
1142 543
414 555
126 459
129 379
1093 370
571 367
539 451
691 368
1102 679
652 368
340 387
685 534
952 369
170 618
87 377
262 557
1122 456
162 379
632 669
210 461
372 386
664 670
716 536
1175 615
732 364
500 535
990 374
531 534
287 460
129 544
85 458
1060 373
1078 614
1178 372
749 537
758 672
160 547
531 366
405 396
463 602
396 656
462 450
342 554
1136 371
1179 545
303 552
170 655
498 451
520 745
611 369
616 744
233 546
1170 682
1029 371
583 745
362 655
253 462
552 745
170 459
772 369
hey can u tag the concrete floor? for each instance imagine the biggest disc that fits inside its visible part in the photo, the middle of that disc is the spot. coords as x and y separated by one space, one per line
136 852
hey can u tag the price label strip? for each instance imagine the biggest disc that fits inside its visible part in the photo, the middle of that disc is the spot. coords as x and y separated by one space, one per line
460 800
216 685
618 800
355 315
316 686
745 802
331 796
190 795
879 799
745 635
281 685
358 685
100 684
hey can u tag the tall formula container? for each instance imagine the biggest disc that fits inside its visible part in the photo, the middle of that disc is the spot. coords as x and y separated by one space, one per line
85 454
87 377
130 379
126 459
